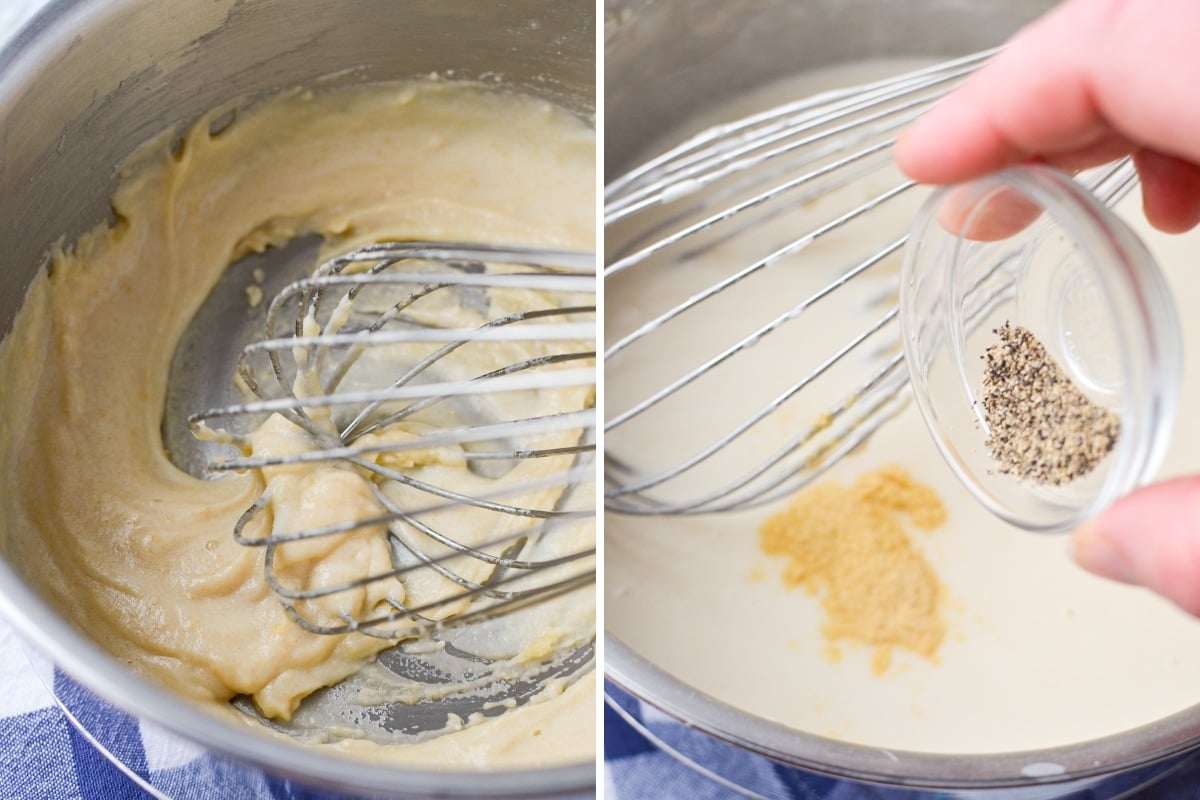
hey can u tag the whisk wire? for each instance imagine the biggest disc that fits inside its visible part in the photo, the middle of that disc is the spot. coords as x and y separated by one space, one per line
722 143
679 207
411 362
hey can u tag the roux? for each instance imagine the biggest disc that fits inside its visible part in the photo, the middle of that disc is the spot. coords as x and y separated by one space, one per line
139 555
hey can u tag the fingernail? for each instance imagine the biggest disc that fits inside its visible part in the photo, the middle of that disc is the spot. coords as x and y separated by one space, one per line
1093 551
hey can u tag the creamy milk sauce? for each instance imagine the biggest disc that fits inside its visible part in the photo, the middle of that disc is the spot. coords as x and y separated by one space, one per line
138 554
1038 652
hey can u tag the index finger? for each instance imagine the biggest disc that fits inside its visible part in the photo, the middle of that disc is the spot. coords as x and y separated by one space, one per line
1088 78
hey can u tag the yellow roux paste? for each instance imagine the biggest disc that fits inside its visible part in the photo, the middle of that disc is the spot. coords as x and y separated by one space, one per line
140 555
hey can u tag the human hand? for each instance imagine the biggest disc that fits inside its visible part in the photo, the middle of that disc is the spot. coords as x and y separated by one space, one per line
1150 538
1092 81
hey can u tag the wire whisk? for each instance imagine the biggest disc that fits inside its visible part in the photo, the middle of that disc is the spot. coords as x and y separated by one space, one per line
751 277
422 417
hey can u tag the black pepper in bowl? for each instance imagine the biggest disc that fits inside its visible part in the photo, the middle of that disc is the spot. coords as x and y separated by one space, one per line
1041 427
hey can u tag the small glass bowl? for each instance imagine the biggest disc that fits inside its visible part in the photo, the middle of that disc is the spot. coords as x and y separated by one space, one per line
1030 246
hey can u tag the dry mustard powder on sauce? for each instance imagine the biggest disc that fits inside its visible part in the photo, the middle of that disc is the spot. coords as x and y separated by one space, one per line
848 545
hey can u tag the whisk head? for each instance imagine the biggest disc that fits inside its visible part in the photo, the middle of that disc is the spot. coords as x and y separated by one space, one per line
752 332
422 418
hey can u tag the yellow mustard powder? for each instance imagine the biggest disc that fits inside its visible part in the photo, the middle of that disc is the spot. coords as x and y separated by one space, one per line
848 545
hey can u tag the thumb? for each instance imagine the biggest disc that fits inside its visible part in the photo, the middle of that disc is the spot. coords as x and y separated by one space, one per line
1150 538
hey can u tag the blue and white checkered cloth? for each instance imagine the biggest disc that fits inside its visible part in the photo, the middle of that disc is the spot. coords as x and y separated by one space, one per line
58 741
639 766
42 755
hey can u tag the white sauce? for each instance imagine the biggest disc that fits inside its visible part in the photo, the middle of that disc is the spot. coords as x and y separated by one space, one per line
1038 653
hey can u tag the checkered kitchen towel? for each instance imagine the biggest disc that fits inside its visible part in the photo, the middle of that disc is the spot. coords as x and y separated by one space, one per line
45 755
639 766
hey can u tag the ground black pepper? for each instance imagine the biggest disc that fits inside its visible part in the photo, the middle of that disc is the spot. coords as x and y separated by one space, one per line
1041 427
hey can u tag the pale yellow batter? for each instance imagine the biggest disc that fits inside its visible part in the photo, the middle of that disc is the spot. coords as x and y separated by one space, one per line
136 553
